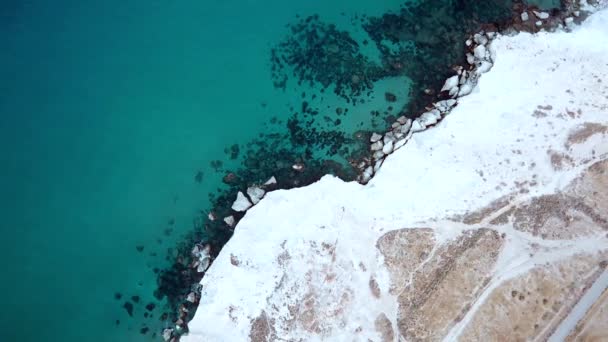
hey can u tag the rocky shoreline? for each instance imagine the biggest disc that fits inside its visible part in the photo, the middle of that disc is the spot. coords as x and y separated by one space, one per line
479 61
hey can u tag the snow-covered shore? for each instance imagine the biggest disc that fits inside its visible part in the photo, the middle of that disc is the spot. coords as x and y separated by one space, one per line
325 262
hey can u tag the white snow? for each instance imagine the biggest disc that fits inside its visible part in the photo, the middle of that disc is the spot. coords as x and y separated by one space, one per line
435 175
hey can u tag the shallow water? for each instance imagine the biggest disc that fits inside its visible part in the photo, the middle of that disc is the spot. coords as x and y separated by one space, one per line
108 111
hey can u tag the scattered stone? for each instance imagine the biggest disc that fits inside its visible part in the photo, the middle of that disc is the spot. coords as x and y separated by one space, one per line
241 203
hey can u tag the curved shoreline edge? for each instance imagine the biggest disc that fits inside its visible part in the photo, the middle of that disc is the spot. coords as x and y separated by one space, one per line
402 131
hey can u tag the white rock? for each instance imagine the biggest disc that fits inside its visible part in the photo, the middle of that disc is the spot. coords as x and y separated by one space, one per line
569 21
430 117
271 181
541 15
204 264
229 220
255 193
378 165
297 166
450 83
375 137
191 297
483 67
463 78
576 13
454 91
378 155
388 148
491 35
480 39
445 105
539 23
399 144
470 58
241 203
480 52
388 137
211 217
417 126
466 89
402 120
406 126
376 146
468 42
524 16
395 125
167 334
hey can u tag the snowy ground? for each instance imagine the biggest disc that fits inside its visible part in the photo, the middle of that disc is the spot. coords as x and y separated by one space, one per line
306 264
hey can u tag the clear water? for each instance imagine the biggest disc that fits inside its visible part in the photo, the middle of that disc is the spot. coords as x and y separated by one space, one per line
108 109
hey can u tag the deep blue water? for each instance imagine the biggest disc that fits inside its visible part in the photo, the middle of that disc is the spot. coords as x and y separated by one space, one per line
108 109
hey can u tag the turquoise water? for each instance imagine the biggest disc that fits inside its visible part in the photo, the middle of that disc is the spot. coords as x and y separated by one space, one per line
108 112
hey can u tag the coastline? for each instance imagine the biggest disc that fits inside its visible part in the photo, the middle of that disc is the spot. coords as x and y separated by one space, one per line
429 118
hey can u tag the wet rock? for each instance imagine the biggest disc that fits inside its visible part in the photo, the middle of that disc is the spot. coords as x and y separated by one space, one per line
129 307
230 178
198 177
241 203
139 248
390 97
144 330
150 306
135 299
117 295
